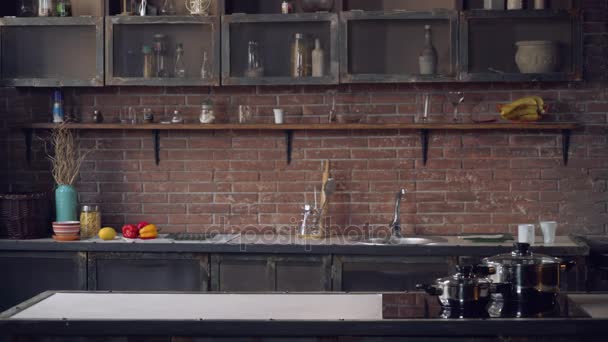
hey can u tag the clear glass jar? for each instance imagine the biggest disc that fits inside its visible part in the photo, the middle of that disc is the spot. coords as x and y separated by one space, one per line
254 62
90 221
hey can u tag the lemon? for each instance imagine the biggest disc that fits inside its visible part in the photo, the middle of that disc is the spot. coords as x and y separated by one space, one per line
107 233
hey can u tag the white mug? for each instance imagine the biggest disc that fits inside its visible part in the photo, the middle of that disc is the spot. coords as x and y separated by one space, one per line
279 116
549 229
526 234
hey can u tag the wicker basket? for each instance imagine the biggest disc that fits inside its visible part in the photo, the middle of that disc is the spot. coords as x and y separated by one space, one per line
25 216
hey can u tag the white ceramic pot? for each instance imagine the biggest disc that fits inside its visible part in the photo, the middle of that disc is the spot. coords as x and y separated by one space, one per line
537 56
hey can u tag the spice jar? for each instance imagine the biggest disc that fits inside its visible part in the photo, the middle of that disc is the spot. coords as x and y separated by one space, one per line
90 221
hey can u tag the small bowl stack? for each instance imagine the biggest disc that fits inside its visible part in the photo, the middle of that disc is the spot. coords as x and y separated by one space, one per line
66 231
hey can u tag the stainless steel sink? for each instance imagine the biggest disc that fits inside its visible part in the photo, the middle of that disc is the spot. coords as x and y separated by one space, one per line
202 237
408 240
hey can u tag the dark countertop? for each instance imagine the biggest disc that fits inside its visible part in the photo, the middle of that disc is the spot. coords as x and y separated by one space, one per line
283 244
42 321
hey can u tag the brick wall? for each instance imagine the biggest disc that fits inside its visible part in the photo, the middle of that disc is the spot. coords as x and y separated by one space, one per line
474 181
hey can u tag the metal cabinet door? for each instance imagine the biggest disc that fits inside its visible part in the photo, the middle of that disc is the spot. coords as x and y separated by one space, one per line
303 273
27 274
387 273
264 273
148 272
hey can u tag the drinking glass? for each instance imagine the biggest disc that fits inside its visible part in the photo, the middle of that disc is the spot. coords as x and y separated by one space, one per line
548 229
526 234
456 98
245 114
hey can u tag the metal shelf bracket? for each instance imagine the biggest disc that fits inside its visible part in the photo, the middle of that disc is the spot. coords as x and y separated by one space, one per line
424 141
156 143
289 143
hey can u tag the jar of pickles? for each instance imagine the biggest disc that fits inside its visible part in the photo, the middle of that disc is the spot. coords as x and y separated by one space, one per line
90 221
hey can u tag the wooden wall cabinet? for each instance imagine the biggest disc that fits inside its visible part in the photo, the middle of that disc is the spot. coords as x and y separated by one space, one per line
274 34
270 273
388 273
383 47
486 58
126 35
27 274
148 272
51 52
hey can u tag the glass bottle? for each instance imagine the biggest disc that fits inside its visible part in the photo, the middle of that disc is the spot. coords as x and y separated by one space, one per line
149 70
428 56
300 57
63 8
160 51
168 8
180 66
254 62
205 69
26 8
45 8
318 59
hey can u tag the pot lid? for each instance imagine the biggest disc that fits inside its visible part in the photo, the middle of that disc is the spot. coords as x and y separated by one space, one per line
522 256
465 275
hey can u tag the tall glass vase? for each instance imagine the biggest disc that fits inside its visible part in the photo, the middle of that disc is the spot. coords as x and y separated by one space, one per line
66 203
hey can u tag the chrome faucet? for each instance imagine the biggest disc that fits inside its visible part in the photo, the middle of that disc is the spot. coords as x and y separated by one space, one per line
396 224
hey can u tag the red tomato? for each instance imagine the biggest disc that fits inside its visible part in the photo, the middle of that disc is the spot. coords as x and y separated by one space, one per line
130 231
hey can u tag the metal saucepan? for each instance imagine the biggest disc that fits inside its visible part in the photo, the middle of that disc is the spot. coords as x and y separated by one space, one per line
532 277
468 289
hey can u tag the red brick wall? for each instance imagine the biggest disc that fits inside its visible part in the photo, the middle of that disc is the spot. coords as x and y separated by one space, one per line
474 182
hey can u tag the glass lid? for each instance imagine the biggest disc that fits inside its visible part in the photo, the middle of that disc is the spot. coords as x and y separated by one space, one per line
522 256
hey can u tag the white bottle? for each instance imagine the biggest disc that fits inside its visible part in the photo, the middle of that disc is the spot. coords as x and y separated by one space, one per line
318 60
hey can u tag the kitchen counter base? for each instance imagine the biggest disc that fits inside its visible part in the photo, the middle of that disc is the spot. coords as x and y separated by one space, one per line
303 325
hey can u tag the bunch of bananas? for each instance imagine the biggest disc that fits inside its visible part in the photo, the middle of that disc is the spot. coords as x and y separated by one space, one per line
526 109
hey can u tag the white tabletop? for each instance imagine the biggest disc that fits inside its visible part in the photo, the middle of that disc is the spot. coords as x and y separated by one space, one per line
138 306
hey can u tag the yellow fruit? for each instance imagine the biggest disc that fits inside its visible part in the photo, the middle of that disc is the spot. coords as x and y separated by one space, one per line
540 103
526 101
107 233
148 230
529 118
521 111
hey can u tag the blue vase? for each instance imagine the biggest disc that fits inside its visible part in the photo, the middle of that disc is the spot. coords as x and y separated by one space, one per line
66 203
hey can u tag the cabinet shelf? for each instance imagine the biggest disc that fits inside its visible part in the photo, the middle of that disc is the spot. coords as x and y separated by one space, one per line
274 34
41 51
483 58
372 48
125 36
289 129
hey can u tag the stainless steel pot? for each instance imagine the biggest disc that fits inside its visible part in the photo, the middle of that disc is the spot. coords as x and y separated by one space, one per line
467 289
532 277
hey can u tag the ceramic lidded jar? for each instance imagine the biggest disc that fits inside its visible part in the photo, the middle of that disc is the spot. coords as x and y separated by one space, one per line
537 56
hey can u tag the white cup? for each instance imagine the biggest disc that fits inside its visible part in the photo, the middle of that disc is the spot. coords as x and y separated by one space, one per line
525 233
548 229
279 116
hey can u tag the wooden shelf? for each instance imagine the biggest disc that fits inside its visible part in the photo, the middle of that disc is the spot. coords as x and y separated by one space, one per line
315 127
289 129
